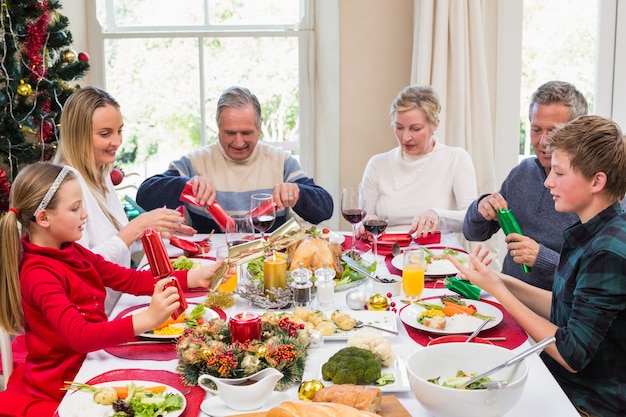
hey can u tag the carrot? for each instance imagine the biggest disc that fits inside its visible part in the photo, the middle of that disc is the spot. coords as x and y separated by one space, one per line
122 392
451 310
170 320
463 309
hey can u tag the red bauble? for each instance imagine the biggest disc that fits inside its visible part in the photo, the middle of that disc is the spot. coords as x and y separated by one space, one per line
83 56
117 176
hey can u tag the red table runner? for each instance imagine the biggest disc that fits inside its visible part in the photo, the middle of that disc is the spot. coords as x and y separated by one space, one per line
150 351
508 328
194 398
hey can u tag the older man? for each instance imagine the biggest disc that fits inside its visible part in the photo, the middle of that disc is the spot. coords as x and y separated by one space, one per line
234 168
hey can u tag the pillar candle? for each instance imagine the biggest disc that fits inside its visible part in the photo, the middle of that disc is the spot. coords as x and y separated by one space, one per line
244 327
274 273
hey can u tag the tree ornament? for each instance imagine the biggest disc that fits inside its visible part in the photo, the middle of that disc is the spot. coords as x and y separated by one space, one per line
356 299
308 389
83 56
377 302
70 56
117 176
24 89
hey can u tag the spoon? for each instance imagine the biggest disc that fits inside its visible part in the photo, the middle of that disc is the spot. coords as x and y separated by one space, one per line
360 324
396 249
473 335
515 359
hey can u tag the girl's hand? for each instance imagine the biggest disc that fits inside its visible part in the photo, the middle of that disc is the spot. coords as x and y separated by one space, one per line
202 277
163 303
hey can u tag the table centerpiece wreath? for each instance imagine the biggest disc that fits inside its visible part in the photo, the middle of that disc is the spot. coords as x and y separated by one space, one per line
207 350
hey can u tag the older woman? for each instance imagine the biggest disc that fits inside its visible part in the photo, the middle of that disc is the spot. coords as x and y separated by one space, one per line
424 184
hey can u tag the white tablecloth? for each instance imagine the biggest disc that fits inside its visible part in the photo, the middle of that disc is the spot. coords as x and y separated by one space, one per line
542 395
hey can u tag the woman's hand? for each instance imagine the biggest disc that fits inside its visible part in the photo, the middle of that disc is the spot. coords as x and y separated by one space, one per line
522 249
168 222
163 303
488 206
203 276
424 223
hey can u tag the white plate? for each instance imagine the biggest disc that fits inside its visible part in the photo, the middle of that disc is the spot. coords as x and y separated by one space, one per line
398 369
208 315
215 407
439 267
386 319
80 403
409 315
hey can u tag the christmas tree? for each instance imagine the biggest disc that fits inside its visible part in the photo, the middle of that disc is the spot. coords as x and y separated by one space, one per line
36 66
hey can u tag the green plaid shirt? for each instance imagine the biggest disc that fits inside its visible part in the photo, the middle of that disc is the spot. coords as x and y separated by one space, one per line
589 306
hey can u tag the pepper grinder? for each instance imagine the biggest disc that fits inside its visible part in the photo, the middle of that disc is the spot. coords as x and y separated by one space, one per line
325 287
301 286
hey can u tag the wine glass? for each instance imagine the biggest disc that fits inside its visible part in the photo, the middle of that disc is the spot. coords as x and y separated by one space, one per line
376 222
239 230
413 269
263 212
352 208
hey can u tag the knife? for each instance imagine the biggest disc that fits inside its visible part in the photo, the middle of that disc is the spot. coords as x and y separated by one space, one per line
355 266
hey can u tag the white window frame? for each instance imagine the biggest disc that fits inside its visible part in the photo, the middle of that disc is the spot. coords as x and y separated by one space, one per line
303 31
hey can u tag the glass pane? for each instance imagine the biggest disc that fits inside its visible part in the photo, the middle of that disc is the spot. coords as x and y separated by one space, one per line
254 12
156 82
266 66
158 12
559 43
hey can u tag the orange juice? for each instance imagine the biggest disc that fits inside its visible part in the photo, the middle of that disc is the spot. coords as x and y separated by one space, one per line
230 285
413 280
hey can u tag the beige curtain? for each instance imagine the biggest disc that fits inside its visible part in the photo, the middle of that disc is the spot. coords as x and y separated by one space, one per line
449 53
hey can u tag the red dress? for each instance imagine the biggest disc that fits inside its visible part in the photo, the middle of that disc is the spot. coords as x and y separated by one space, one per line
63 293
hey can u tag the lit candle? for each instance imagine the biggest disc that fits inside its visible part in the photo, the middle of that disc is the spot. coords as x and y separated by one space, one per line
274 273
244 327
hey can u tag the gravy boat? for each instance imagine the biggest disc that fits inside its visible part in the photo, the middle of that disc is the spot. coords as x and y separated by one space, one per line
244 394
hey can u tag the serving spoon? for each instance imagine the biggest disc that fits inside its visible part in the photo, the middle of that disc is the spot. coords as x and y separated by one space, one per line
515 359
473 335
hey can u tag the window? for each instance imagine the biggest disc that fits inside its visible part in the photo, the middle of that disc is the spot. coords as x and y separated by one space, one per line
558 43
167 63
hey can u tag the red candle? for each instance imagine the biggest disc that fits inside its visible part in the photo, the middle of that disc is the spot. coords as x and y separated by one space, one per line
245 327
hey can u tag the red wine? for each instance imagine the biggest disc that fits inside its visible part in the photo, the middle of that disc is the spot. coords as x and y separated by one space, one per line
262 223
375 227
353 215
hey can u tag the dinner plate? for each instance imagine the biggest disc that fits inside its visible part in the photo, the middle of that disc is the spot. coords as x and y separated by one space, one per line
215 407
464 324
397 369
385 319
439 267
80 403
208 315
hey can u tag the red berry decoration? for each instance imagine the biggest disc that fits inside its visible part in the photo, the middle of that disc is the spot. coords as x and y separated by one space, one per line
83 56
393 304
389 295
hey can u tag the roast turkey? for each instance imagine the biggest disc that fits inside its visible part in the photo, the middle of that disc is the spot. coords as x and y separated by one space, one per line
314 252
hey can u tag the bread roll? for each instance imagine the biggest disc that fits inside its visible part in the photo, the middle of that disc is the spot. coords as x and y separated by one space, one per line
307 409
357 396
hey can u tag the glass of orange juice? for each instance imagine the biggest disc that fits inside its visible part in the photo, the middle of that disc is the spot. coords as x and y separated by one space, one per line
221 253
413 268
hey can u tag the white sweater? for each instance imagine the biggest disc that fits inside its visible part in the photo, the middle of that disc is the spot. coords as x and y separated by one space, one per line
442 180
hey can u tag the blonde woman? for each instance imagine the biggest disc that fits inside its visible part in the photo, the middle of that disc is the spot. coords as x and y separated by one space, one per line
91 134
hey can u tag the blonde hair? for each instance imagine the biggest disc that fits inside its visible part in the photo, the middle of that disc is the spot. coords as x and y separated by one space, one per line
27 191
417 97
76 144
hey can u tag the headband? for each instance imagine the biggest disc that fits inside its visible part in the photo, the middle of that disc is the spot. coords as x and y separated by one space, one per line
53 189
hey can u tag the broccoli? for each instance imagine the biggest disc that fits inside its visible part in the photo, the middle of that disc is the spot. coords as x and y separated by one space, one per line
352 365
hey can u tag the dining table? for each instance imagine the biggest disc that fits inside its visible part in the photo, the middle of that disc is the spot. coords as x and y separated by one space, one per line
542 394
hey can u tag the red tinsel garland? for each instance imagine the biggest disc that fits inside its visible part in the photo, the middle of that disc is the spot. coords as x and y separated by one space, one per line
36 40
5 187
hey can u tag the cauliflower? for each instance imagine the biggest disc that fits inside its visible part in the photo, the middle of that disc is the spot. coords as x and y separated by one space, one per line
351 365
375 343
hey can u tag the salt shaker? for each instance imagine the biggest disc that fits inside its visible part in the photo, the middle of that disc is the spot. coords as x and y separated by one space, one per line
301 286
325 287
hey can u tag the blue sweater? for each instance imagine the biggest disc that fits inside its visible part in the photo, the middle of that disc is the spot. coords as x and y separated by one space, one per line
533 207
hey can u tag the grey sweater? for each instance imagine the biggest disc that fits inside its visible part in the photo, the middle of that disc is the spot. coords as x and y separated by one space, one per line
533 207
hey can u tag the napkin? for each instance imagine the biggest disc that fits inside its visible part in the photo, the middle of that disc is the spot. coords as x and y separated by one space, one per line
508 327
